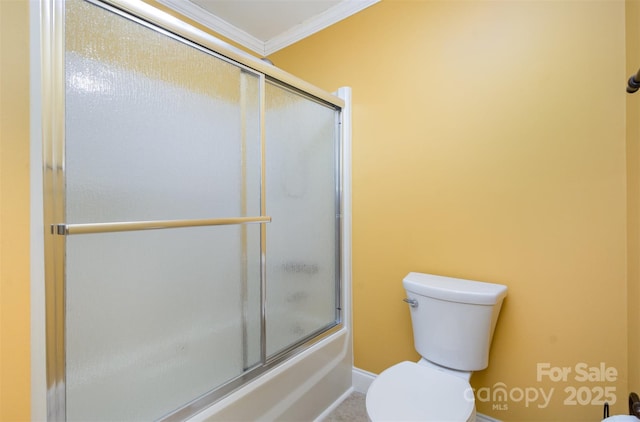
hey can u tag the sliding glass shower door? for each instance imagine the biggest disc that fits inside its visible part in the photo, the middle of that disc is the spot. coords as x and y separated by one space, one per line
302 199
170 288
156 130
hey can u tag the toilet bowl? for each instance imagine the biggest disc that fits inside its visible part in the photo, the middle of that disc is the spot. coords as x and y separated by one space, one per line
453 323
412 392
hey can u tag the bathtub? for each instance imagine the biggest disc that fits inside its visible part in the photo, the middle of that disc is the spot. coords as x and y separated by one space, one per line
299 389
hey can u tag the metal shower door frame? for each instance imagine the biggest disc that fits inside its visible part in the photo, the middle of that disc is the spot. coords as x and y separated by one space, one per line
53 103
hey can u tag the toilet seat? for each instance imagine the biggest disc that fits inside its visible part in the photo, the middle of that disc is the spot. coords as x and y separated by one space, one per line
411 392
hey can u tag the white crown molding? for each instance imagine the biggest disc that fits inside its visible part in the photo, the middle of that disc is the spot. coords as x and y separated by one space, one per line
309 27
222 27
333 15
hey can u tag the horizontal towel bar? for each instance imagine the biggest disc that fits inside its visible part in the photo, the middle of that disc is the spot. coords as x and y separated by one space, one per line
90 228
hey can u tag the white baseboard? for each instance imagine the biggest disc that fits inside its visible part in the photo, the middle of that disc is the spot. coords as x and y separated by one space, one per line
362 379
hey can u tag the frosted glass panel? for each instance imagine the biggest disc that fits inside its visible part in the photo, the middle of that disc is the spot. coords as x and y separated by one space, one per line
301 137
156 129
153 319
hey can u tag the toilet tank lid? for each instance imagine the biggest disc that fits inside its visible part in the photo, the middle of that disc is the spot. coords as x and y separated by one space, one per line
454 289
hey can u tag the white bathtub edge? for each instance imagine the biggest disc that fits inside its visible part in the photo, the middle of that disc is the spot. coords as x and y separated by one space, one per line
275 393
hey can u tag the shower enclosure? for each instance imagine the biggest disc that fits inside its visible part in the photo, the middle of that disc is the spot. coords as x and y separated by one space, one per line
193 196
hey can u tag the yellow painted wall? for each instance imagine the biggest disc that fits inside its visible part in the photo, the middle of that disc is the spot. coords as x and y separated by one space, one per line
14 211
632 14
489 143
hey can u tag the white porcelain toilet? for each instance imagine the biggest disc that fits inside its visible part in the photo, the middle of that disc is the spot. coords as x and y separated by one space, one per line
453 322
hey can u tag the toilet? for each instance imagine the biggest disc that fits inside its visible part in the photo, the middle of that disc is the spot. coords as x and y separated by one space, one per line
453 322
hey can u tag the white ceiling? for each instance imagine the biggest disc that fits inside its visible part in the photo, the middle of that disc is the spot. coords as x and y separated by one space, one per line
266 26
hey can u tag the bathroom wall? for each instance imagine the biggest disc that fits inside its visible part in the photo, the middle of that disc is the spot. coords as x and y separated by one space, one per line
632 14
14 211
489 143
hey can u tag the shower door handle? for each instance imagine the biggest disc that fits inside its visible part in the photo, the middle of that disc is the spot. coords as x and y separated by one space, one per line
67 229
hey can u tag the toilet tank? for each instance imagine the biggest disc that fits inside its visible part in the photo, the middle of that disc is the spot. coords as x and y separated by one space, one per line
453 319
